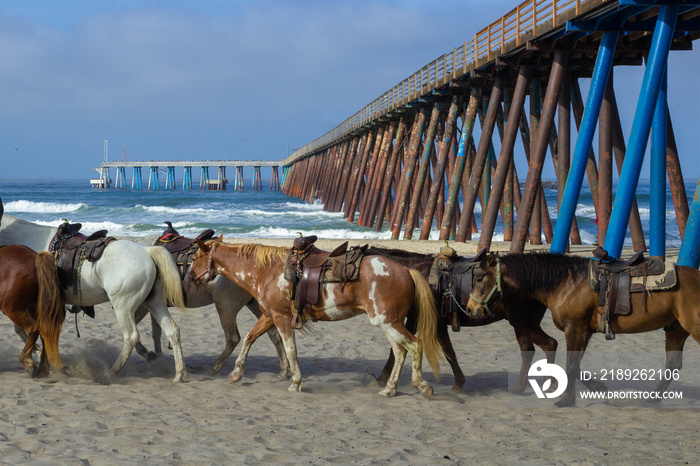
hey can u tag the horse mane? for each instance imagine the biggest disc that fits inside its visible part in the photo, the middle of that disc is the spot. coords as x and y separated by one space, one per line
397 253
264 255
543 271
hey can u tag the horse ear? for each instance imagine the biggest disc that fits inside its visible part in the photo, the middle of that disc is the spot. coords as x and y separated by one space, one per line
220 239
202 247
490 259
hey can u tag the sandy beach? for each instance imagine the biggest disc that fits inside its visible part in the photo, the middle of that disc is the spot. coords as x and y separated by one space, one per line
141 417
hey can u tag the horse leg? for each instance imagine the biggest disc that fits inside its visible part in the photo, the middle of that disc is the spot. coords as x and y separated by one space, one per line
403 337
23 335
149 356
30 327
227 309
274 336
447 348
527 353
577 338
392 382
411 326
527 338
675 339
125 318
283 322
159 311
43 369
263 324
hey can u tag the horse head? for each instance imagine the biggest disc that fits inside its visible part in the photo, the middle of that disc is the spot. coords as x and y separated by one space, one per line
202 269
487 287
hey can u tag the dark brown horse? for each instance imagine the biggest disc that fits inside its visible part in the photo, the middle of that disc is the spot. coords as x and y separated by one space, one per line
525 323
385 291
561 283
30 295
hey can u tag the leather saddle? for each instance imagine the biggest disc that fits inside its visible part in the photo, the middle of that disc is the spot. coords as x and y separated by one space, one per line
181 248
615 279
71 248
452 276
308 267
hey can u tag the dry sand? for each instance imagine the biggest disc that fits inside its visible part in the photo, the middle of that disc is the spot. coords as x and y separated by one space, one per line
141 417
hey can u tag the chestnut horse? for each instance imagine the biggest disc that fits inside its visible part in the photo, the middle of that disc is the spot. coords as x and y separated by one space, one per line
385 290
528 331
561 283
30 295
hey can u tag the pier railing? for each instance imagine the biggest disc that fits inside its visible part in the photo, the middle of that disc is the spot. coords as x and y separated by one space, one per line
532 18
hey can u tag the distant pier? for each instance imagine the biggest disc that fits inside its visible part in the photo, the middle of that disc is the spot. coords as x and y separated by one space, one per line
168 168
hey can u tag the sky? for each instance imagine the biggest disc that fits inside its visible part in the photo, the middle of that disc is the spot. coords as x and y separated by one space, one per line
240 80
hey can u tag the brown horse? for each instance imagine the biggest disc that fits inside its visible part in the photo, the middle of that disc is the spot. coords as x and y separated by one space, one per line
526 323
561 283
30 295
385 290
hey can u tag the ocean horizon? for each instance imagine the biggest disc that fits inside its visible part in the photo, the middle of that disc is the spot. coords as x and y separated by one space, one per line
243 214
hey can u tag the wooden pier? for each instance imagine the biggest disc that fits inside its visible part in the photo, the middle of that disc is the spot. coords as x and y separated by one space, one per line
404 160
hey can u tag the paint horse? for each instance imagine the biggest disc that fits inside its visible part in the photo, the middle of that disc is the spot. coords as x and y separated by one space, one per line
385 290
227 297
128 275
30 295
561 283
525 323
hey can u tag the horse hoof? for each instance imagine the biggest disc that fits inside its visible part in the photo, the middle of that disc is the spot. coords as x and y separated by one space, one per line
32 371
457 388
425 388
214 371
517 390
151 356
179 378
564 403
387 392
283 375
235 377
294 388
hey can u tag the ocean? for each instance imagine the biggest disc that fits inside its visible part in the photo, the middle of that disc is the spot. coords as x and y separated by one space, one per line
243 214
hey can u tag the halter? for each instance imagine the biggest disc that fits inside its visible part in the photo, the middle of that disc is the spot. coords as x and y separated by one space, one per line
210 261
496 287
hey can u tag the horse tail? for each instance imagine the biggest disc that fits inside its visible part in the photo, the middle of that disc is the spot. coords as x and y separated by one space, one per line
51 311
427 322
168 274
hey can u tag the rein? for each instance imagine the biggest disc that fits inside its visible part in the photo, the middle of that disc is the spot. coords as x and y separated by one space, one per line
496 288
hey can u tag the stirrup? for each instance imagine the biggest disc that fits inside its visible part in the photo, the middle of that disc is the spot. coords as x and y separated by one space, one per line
297 321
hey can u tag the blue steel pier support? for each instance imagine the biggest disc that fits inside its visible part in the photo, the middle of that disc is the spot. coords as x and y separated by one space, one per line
657 195
170 184
648 96
690 247
153 179
599 81
136 182
187 179
204 179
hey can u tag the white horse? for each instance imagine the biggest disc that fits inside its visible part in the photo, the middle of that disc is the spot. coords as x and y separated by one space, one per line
128 275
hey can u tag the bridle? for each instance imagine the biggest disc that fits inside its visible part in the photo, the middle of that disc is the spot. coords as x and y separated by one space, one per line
496 288
209 269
